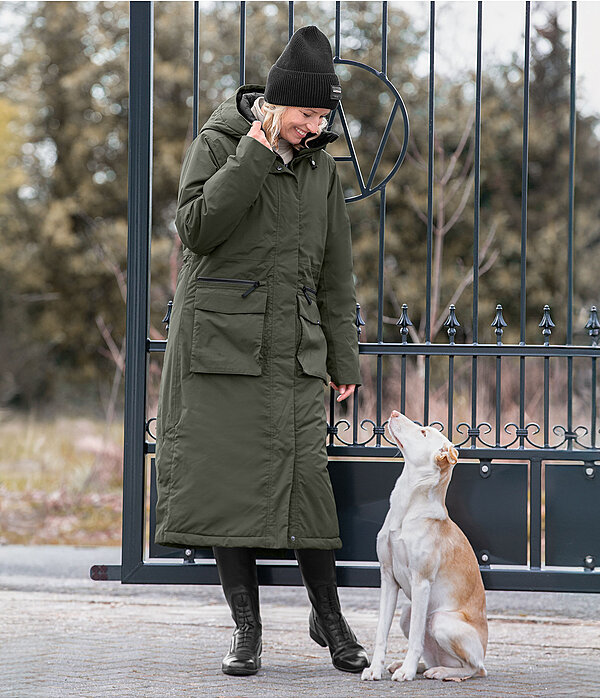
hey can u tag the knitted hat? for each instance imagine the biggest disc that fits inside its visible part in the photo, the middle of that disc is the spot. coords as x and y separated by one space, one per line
304 76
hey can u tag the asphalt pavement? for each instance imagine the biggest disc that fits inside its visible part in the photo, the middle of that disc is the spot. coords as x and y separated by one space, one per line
64 635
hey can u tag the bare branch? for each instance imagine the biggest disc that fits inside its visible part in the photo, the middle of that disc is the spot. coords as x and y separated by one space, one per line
414 205
459 209
116 354
458 150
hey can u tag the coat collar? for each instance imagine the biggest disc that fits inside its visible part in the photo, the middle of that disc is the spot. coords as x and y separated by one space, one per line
233 116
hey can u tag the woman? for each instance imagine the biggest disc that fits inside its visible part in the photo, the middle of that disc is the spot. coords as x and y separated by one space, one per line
264 310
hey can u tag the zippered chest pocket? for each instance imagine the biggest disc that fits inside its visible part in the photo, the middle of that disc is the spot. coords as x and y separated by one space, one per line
228 325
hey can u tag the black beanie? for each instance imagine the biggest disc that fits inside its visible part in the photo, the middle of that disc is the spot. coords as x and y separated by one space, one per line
304 76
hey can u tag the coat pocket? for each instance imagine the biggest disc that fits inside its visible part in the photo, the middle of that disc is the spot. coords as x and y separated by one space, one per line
312 349
229 319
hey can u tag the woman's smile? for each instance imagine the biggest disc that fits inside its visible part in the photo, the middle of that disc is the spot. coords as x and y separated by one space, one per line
298 122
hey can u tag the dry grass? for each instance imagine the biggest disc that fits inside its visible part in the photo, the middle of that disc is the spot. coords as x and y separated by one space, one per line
60 481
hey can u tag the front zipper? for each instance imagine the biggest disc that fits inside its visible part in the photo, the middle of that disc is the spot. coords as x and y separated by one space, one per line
255 283
306 289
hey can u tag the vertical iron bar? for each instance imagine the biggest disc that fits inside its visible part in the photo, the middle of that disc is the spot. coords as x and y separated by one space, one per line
139 217
498 397
430 169
403 384
477 166
290 19
380 305
546 401
430 177
355 416
535 515
476 222
331 413
450 397
195 110
337 29
242 42
572 122
384 31
524 184
593 422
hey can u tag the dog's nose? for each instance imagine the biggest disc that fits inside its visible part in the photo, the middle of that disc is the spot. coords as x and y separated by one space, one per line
395 414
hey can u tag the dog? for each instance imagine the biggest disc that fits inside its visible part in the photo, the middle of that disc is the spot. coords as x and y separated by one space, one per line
421 550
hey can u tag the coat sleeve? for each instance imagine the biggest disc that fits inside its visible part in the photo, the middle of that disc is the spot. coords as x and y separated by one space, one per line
213 199
336 296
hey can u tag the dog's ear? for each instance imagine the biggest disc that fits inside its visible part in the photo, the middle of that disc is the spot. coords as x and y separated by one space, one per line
447 457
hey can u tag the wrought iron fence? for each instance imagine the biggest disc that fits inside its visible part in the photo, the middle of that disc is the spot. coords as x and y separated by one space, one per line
526 494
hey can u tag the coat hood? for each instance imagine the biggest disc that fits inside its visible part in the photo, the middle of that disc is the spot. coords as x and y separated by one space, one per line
234 115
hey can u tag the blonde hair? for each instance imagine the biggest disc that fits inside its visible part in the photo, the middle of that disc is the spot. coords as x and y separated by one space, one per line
272 125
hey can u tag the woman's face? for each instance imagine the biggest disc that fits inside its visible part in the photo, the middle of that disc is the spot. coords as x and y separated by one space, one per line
297 122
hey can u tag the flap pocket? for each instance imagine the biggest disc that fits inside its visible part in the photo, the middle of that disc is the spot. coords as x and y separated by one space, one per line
230 300
312 350
228 326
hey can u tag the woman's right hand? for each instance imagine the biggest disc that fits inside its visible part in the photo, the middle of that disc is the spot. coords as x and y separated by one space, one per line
257 133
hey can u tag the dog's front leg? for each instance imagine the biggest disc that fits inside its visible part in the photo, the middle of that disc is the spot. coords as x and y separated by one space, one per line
420 591
388 597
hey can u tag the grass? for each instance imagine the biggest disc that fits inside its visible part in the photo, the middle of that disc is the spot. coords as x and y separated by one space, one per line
60 480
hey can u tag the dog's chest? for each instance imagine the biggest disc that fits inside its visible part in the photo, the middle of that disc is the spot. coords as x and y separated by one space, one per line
402 545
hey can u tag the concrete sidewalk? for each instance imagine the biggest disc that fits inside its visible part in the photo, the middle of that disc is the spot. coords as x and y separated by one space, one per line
63 635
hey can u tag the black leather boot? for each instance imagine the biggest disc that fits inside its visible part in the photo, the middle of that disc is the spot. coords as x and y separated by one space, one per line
327 626
237 571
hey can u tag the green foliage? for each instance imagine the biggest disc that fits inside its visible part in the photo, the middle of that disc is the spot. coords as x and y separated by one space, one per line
63 177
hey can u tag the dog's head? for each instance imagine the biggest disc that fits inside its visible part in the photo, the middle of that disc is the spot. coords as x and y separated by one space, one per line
422 445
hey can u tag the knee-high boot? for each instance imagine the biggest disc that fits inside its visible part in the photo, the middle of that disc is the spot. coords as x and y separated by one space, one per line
238 575
327 626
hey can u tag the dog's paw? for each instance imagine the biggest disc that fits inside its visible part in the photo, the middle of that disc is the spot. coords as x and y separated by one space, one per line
441 673
404 674
371 673
394 665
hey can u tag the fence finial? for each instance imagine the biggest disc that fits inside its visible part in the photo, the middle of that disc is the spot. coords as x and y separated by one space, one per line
499 324
546 324
452 323
593 325
404 322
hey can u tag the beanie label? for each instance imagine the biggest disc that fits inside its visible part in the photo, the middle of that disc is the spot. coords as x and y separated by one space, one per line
335 93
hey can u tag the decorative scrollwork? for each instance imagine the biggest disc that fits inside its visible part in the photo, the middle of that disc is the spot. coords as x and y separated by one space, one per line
375 430
152 435
474 433
571 435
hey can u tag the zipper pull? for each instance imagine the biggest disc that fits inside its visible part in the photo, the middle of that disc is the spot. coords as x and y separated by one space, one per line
308 299
251 289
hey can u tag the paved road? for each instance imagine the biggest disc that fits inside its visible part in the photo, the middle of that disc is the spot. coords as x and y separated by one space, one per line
63 635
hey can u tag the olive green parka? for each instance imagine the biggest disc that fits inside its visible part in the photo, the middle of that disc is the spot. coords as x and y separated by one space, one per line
264 310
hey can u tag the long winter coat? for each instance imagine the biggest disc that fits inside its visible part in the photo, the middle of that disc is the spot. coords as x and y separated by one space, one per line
264 310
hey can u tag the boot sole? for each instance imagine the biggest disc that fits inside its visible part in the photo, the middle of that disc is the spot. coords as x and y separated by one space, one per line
319 640
239 671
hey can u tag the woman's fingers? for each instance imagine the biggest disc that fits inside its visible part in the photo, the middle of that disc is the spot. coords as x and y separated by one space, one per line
345 390
257 133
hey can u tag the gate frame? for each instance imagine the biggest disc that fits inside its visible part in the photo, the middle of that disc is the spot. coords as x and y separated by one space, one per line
134 568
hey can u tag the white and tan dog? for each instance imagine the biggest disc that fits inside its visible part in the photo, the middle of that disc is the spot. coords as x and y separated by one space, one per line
425 553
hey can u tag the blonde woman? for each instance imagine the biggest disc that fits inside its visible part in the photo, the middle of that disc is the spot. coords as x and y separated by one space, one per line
263 320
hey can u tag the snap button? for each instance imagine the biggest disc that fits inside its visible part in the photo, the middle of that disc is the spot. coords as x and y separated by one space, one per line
293 538
279 167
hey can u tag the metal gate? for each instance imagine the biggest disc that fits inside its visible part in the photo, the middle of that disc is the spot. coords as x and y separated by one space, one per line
529 505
